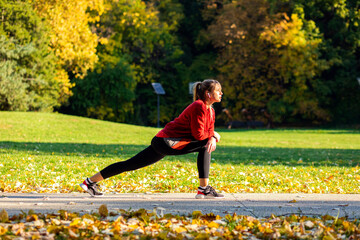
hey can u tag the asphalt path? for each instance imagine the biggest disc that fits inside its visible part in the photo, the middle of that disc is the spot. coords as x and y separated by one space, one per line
256 205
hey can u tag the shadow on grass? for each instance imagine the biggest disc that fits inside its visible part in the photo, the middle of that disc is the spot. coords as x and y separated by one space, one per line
223 155
290 156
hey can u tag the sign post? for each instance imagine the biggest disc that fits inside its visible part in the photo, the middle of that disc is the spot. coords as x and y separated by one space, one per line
159 91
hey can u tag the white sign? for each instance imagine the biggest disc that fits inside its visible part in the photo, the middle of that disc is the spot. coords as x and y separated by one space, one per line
191 87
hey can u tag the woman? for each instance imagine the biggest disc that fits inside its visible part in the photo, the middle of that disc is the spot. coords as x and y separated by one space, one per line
192 131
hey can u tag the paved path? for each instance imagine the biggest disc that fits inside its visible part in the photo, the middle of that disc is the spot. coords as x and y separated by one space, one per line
257 205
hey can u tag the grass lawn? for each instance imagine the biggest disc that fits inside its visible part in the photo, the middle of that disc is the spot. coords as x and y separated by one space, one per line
49 152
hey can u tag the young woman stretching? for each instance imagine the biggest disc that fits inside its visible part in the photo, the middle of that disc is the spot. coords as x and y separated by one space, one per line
192 131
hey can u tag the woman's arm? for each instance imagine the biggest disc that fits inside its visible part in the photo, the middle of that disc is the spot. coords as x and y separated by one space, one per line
217 136
199 123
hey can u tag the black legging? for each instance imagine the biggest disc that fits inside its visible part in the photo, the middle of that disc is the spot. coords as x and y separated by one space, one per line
155 152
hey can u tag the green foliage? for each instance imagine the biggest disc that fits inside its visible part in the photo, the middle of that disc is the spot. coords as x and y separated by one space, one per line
132 29
296 43
27 63
106 93
131 34
269 61
339 22
171 12
13 85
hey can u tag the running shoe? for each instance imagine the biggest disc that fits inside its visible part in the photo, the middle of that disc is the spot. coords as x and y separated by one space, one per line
92 189
208 193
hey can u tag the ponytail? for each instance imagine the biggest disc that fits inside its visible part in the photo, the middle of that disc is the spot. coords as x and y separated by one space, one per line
197 91
200 88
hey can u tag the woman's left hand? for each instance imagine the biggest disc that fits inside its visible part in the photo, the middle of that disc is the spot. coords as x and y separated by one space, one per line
211 145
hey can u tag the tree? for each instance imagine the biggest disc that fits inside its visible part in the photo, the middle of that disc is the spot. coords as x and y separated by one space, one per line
338 21
264 61
132 39
296 44
71 38
28 72
106 93
13 85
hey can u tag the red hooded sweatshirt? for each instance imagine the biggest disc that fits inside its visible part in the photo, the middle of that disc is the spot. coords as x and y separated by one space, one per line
195 122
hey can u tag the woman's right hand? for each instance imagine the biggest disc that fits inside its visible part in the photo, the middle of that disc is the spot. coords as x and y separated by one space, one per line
211 145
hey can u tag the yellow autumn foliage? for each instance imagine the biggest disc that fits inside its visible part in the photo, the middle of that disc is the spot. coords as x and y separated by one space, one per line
72 40
289 32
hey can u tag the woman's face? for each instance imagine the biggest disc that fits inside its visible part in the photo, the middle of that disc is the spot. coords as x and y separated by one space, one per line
216 94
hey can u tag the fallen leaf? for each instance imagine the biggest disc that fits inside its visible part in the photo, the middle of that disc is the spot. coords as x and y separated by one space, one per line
196 214
213 225
4 217
103 210
180 229
3 230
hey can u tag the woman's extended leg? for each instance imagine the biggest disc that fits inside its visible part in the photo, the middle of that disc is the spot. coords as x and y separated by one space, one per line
144 158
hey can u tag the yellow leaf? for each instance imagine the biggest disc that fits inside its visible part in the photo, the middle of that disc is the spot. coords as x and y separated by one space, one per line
2 230
52 229
213 225
195 221
202 236
240 227
180 230
35 236
76 222
293 201
155 226
32 217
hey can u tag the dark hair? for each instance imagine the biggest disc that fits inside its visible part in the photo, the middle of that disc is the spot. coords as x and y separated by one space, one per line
200 88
